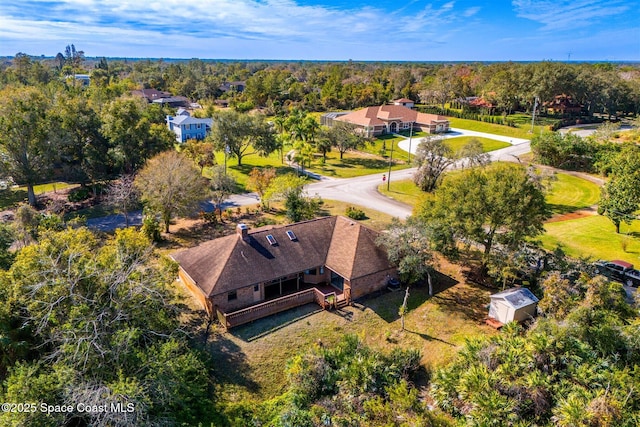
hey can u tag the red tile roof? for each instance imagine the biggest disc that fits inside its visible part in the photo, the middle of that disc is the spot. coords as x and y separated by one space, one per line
376 116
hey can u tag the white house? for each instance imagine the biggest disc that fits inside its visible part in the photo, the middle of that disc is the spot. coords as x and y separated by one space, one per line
513 305
186 127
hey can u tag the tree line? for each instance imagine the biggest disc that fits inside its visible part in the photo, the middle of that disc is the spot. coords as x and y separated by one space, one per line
604 88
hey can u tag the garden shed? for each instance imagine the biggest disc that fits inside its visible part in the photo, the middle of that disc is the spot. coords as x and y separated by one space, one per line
517 304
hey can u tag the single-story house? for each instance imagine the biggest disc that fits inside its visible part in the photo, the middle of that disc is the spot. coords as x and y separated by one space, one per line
173 101
374 121
151 94
186 127
255 273
513 305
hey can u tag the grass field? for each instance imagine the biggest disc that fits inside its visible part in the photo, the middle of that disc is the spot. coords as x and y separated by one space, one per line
13 196
569 193
250 359
522 131
381 146
404 191
594 237
353 164
487 144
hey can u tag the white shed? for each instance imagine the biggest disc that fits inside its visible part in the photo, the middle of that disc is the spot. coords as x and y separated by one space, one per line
517 304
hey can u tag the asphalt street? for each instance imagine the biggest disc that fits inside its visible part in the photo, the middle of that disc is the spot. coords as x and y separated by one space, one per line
360 190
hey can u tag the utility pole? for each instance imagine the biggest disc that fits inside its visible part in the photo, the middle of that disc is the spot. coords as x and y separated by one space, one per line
410 136
390 163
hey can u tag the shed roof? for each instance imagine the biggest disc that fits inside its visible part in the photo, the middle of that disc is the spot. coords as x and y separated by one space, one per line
516 297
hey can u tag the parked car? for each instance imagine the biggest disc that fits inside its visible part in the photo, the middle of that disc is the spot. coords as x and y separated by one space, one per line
632 277
615 269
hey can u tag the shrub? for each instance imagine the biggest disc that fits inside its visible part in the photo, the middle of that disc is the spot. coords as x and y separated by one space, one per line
151 227
79 194
355 213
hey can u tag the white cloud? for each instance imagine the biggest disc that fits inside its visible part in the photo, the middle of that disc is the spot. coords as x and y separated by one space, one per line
206 21
563 14
469 12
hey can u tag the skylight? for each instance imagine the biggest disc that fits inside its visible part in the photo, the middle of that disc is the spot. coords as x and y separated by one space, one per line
272 240
291 235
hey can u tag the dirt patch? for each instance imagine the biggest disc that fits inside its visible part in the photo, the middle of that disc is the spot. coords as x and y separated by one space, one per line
582 213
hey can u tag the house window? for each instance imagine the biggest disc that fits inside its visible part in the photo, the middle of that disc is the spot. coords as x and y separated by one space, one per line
232 296
256 288
321 270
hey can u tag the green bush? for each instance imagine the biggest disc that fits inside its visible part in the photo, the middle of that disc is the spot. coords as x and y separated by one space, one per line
151 227
355 213
79 194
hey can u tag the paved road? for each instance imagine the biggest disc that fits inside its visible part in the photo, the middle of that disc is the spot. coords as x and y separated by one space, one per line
360 190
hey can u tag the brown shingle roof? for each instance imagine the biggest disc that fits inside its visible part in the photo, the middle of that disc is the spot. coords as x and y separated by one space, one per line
230 263
353 252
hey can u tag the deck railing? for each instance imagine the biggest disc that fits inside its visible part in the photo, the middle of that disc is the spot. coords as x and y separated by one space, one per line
258 311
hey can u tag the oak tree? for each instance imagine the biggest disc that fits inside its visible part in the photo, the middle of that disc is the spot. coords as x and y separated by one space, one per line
171 185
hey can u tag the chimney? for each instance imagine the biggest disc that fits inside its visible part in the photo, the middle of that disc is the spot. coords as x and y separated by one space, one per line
243 231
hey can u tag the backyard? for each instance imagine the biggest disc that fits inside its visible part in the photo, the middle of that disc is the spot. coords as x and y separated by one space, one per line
250 358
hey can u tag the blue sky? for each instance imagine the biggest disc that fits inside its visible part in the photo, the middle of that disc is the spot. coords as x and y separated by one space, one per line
411 30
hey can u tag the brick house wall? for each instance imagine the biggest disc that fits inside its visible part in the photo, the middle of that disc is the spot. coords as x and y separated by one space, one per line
364 285
188 282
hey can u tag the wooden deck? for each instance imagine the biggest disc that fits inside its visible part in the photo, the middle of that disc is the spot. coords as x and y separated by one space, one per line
326 296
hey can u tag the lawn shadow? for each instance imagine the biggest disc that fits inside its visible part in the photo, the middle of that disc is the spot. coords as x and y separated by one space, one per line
562 209
365 163
230 365
386 304
10 198
267 325
467 300
427 337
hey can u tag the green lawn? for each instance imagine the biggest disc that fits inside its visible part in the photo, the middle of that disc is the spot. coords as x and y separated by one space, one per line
569 193
381 146
404 191
353 164
356 164
241 173
13 196
522 131
250 359
594 237
487 144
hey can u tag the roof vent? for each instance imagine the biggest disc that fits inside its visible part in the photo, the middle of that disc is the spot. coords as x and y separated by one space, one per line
291 235
272 240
